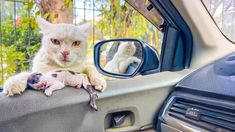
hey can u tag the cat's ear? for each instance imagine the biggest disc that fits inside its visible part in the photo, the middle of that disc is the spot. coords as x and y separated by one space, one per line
43 24
86 28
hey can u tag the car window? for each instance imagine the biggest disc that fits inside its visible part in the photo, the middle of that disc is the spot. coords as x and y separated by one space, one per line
118 19
20 37
223 13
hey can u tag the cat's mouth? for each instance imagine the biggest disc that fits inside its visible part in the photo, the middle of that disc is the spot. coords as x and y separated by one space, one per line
65 60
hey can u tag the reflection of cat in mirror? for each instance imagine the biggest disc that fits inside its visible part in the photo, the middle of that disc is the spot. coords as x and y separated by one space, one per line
122 58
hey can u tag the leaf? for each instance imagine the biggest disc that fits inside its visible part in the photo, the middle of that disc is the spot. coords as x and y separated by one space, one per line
46 15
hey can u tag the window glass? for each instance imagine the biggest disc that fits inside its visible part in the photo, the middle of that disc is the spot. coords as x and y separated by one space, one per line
118 19
115 19
223 13
20 37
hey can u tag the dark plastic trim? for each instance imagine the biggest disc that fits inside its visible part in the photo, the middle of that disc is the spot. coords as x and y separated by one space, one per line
174 20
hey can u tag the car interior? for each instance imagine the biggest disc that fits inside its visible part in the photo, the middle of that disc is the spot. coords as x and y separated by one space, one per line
190 88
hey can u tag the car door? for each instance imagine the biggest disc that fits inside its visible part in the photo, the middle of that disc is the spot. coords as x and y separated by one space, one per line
127 104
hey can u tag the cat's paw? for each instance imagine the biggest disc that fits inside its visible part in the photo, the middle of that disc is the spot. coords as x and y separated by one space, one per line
134 60
13 89
98 82
48 92
16 84
137 60
95 78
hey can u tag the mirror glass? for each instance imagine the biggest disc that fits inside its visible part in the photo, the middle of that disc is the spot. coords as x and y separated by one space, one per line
121 57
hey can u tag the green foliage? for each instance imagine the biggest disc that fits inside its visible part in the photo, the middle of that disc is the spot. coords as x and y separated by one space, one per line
122 21
69 4
25 27
12 60
18 50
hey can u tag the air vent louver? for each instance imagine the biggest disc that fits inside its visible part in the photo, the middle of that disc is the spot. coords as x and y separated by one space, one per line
204 115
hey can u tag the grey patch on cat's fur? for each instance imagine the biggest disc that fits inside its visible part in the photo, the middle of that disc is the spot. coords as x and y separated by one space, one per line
54 75
78 72
59 71
73 73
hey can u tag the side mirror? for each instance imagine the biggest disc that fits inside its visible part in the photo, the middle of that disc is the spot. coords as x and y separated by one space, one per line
124 58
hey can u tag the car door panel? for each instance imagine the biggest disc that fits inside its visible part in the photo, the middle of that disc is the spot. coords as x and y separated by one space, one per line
68 110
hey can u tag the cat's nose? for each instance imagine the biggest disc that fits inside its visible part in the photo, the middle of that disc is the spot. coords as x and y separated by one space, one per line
65 54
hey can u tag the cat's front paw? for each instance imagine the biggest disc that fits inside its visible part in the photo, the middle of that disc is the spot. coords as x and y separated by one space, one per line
13 89
135 60
48 92
95 78
15 85
98 82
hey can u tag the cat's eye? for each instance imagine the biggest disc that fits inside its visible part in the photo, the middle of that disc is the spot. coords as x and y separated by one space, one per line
55 41
76 43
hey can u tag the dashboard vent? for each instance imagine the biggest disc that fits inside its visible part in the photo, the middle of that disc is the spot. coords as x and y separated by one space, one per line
208 116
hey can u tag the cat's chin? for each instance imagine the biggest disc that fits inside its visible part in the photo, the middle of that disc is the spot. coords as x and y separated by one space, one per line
64 63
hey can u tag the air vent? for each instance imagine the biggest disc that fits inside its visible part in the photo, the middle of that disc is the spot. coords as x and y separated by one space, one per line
208 116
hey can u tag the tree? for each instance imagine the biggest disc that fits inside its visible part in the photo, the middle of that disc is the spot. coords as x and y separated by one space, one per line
56 11
120 20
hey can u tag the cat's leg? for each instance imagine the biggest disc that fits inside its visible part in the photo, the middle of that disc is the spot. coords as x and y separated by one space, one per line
56 86
85 81
16 84
135 59
123 67
124 64
112 68
96 79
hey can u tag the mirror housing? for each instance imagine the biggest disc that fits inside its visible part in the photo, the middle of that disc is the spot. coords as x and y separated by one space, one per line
149 59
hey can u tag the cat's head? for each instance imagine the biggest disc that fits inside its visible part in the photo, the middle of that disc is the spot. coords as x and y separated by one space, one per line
64 44
34 81
127 48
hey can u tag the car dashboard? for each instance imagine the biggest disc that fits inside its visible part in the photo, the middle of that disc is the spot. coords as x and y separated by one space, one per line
203 101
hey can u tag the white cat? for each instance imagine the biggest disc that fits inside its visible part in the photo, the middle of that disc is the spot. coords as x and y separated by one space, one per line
63 48
122 58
